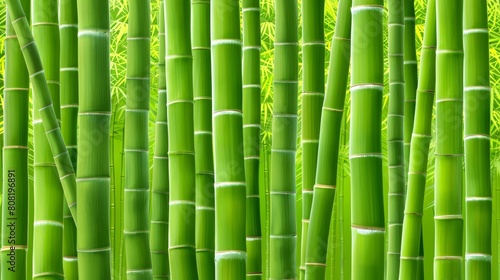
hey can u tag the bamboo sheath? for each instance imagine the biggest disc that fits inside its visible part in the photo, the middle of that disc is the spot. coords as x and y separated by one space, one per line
421 138
48 194
367 211
68 75
159 185
93 174
15 158
449 143
478 194
329 140
395 135
283 233
313 92
251 135
136 144
230 184
179 64
202 92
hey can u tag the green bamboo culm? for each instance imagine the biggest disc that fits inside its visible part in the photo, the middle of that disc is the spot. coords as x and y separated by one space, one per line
283 233
395 147
93 228
411 242
331 122
251 134
44 101
367 208
136 144
449 142
478 194
202 92
15 158
313 91
159 184
48 194
179 68
230 184
68 32
410 76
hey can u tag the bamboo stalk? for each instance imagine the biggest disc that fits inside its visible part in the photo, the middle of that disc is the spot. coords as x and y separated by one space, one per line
449 145
367 210
251 134
48 194
478 194
395 134
136 145
313 92
411 243
159 186
15 158
283 233
179 70
68 32
230 184
94 251
329 140
202 92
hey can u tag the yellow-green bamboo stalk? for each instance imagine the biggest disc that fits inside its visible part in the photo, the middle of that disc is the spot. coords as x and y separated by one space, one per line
478 196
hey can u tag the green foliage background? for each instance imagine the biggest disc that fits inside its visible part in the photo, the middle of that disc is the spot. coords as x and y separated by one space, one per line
339 245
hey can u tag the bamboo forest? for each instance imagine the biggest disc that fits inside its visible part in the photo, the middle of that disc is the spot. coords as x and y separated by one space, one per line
250 139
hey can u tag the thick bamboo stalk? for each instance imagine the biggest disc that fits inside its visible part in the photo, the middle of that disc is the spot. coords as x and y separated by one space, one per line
230 184
202 92
411 243
44 102
68 31
329 140
15 158
449 143
159 185
283 233
94 251
136 145
367 210
251 134
410 76
478 195
395 147
48 194
313 92
179 70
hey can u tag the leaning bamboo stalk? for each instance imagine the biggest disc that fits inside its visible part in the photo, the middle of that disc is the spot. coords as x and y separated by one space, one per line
251 134
367 210
313 92
329 141
136 145
421 138
159 185
449 143
44 102
283 235
15 158
395 132
68 31
48 194
202 92
478 195
93 231
230 184
179 70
